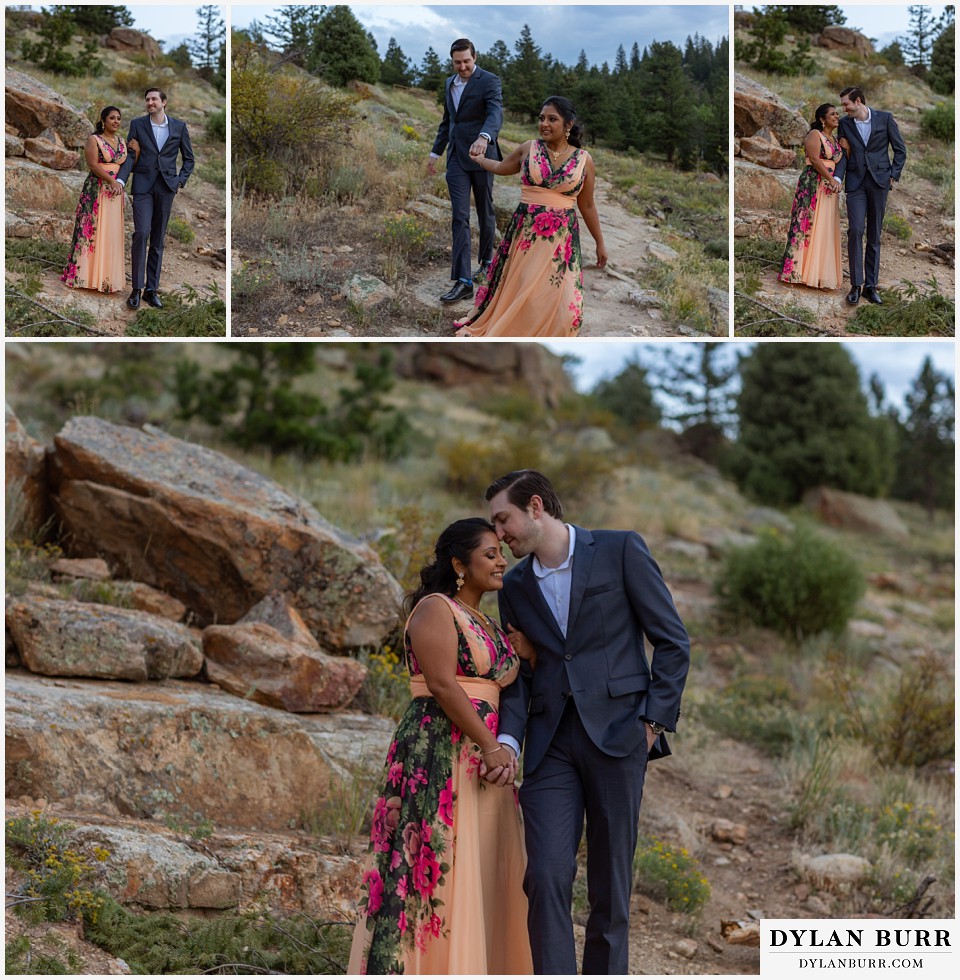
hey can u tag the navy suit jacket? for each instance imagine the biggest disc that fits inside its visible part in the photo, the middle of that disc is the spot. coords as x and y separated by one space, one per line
617 598
153 162
874 158
480 111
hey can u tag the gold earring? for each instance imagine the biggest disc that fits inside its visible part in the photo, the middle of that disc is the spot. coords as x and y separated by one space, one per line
460 581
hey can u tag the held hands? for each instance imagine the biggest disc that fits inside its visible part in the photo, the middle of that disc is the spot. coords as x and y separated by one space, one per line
499 766
479 148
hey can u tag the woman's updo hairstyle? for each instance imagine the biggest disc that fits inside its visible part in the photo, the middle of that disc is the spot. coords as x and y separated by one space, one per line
569 114
457 541
819 115
103 118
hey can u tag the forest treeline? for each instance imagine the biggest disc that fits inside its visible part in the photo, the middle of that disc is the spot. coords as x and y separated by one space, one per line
657 99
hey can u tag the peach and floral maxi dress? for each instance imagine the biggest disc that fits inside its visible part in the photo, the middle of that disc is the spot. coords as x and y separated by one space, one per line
535 282
812 255
97 250
443 887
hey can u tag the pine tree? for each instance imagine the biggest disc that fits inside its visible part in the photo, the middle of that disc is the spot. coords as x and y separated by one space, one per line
810 19
396 68
497 59
523 85
943 62
925 462
667 98
100 19
291 31
917 44
210 36
628 395
341 50
430 75
804 422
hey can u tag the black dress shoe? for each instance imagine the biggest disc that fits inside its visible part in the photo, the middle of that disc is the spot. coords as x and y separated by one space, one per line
460 291
149 296
871 295
481 272
853 297
133 300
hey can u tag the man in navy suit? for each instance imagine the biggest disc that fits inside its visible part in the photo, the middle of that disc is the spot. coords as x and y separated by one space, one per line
869 177
472 117
161 139
593 709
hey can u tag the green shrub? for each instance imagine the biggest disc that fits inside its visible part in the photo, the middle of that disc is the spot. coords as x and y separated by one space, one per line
180 229
184 314
24 956
897 226
937 122
671 875
855 73
347 184
132 81
217 126
914 310
914 725
213 172
404 234
50 52
797 584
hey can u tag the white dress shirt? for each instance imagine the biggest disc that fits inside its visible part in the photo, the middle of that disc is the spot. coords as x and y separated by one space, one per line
555 587
864 127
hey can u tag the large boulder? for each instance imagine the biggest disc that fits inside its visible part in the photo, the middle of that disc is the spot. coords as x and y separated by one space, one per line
529 366
851 510
30 185
179 749
129 41
254 660
214 534
764 149
66 638
836 38
756 107
33 107
756 187
25 477
49 153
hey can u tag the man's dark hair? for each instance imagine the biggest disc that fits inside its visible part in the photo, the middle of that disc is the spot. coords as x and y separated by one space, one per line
159 91
521 485
463 44
854 93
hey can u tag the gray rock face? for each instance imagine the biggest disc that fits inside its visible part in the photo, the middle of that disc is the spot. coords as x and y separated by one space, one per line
33 107
214 534
756 107
65 638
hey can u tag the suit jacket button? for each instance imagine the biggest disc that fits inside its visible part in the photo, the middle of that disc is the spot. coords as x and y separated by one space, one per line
568 656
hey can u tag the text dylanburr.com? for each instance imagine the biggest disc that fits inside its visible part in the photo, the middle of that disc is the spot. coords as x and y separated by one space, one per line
857 947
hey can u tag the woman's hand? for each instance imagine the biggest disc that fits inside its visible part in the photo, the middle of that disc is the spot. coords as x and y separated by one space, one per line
523 648
499 766
844 144
601 255
134 147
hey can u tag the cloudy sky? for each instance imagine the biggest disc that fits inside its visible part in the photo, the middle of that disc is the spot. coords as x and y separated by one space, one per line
561 30
897 362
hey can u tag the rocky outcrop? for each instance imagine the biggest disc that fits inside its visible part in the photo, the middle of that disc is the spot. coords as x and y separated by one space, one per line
756 187
214 534
180 749
32 107
756 107
25 478
50 153
129 41
764 149
66 638
836 38
850 510
254 660
530 366
30 185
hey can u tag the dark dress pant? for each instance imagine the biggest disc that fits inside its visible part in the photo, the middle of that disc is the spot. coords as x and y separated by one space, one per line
865 209
151 212
460 183
575 779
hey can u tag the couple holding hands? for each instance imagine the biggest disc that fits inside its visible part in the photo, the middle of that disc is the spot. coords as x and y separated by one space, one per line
149 153
532 284
456 881
852 153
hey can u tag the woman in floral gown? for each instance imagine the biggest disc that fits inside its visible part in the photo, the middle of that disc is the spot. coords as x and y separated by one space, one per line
443 887
812 256
96 251
534 285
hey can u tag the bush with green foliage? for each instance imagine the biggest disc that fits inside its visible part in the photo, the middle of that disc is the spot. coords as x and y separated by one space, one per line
46 956
217 126
811 19
281 125
101 18
913 310
179 229
184 314
628 396
763 52
943 62
897 226
798 584
671 875
51 52
254 403
938 122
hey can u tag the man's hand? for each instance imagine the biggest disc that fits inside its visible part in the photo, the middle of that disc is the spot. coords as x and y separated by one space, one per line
651 735
479 148
500 775
432 166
